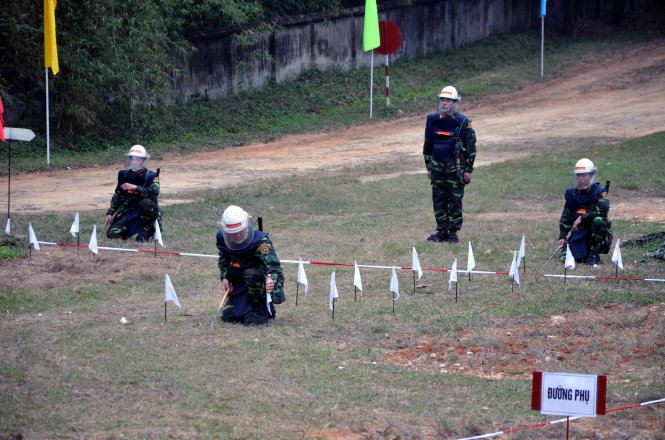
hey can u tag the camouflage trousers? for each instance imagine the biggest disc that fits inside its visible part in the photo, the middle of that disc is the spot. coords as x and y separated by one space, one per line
447 194
248 298
139 221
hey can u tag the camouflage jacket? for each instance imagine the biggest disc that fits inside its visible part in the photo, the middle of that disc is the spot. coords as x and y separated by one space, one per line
259 254
456 129
588 204
147 186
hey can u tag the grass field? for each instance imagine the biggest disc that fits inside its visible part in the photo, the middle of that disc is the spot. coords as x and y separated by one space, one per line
69 369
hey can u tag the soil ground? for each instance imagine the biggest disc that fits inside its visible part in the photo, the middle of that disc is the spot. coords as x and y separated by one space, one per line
606 100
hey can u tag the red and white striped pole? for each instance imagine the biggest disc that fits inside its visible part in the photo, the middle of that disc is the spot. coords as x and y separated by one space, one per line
387 84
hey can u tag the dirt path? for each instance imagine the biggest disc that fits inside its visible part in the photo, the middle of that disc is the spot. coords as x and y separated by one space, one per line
622 96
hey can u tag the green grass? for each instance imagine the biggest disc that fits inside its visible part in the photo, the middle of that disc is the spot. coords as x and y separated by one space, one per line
69 369
324 100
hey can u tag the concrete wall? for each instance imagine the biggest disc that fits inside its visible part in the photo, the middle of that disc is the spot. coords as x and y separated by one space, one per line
313 42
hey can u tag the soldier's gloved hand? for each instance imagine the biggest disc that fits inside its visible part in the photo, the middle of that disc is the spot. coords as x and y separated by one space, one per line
108 220
270 284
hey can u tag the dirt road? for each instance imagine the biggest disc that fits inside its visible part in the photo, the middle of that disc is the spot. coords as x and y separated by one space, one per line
622 96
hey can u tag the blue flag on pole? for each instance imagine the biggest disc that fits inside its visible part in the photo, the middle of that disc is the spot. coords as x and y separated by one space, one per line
543 7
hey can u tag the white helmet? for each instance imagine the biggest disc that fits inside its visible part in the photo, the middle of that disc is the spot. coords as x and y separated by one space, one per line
584 166
236 228
234 219
450 92
136 151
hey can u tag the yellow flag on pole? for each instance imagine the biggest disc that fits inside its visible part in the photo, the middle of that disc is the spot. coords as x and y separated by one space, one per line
371 36
50 45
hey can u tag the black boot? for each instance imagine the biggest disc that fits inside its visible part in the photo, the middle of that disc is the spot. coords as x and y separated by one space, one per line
593 259
452 238
438 237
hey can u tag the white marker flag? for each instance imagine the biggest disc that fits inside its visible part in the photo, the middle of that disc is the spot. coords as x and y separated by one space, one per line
8 228
75 226
453 275
302 276
158 234
92 245
356 277
470 262
394 285
32 238
415 263
514 271
333 291
522 252
169 292
268 301
570 260
616 256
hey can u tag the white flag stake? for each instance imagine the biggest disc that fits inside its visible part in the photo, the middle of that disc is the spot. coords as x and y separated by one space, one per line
8 228
415 267
470 262
333 294
357 282
302 279
514 271
158 235
569 263
617 260
394 287
92 245
74 230
522 254
169 294
453 278
32 237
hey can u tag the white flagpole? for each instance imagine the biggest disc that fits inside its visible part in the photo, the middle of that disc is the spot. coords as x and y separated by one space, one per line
542 44
48 128
371 85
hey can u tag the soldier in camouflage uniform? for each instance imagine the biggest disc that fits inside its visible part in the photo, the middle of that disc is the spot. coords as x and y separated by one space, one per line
249 266
584 216
449 150
134 207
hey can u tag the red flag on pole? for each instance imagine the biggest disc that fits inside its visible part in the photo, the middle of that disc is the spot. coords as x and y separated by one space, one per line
2 123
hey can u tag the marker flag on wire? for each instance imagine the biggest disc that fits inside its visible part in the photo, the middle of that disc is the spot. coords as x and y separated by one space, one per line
333 291
75 226
158 234
356 277
302 276
415 263
394 285
616 256
32 237
570 260
514 271
522 252
8 228
471 261
453 275
92 245
169 292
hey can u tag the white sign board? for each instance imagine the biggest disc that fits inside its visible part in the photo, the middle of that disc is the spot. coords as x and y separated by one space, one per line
569 394
19 134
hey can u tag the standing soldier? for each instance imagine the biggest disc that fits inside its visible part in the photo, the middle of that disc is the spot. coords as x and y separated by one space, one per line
134 207
250 268
449 151
584 216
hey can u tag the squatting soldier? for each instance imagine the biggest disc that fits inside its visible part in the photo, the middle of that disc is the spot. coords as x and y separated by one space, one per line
134 207
449 151
585 216
249 266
